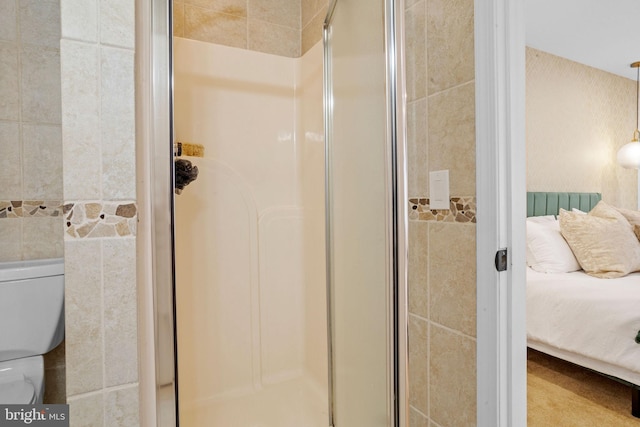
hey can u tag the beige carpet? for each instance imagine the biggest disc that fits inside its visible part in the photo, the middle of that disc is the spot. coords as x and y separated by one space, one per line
565 395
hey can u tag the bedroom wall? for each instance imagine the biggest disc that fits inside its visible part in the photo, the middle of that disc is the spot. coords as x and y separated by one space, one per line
577 118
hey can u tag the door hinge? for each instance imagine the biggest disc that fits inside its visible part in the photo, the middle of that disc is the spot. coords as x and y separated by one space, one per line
501 260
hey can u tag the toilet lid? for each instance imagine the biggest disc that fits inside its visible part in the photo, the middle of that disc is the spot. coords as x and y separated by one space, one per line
19 391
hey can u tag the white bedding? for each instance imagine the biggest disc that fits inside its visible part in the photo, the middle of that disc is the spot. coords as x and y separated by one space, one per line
589 321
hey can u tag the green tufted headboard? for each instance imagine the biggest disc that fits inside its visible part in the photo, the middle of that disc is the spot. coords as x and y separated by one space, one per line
543 203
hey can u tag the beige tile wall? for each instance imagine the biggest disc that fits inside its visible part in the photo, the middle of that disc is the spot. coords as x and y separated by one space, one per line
31 145
98 144
313 14
442 264
30 132
280 27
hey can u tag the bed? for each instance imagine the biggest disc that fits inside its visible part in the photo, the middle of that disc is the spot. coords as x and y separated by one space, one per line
585 320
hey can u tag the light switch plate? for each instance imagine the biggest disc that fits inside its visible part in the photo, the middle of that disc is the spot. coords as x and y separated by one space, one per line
439 189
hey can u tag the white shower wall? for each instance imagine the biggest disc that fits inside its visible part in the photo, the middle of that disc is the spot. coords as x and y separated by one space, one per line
251 304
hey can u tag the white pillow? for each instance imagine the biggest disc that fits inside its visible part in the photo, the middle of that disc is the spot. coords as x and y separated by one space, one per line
547 250
542 219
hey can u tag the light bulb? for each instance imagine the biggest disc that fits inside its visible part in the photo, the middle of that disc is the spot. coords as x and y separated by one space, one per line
629 155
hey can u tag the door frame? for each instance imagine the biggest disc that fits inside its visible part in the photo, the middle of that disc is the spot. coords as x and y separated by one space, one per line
501 212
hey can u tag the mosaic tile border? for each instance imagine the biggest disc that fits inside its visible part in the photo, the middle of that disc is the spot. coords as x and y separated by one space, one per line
30 208
461 210
100 219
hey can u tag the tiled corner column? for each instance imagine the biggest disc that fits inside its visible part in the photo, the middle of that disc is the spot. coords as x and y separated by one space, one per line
98 138
442 243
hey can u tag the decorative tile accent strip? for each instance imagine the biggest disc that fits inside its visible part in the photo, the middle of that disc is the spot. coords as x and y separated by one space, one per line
462 209
30 208
100 219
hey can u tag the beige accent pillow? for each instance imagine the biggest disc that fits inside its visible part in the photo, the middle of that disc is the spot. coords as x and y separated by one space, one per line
632 216
634 219
604 210
603 241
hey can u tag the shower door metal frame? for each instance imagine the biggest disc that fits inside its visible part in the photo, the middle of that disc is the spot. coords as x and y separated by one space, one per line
328 125
396 203
155 141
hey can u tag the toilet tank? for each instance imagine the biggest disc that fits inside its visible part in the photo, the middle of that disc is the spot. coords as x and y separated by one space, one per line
31 307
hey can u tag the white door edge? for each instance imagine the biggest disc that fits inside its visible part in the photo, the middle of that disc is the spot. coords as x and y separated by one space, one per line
501 212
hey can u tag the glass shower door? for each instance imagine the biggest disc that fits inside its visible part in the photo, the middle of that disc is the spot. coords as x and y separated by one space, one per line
362 214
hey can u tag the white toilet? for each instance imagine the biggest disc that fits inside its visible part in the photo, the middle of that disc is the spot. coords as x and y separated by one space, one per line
31 324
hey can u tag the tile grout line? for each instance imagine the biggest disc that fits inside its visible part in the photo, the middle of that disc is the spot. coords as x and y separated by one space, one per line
103 391
104 361
447 328
20 118
449 89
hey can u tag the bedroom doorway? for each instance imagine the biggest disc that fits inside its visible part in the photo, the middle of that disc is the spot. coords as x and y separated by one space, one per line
501 189
568 79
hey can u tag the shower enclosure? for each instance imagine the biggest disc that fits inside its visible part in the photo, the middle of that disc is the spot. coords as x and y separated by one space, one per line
289 247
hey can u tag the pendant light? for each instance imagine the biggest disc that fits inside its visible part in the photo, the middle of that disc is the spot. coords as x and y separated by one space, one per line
629 154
